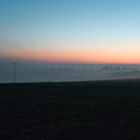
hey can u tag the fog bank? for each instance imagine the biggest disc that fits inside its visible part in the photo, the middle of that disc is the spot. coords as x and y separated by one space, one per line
39 72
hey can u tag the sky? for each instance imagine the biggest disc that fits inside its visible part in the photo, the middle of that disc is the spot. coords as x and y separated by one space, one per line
70 31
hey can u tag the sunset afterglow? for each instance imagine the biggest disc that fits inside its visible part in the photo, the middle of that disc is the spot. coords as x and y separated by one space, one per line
78 53
71 31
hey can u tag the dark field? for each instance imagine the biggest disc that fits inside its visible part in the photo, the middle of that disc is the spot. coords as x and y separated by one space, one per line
70 111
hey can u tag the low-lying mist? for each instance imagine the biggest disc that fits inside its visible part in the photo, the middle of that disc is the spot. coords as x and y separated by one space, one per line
39 72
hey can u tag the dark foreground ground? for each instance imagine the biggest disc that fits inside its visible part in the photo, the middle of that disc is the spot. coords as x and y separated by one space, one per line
70 111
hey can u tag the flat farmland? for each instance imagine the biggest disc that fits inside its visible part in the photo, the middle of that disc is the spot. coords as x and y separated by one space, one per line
92 110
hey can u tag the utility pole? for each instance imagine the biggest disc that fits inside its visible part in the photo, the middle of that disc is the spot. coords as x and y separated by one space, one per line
14 72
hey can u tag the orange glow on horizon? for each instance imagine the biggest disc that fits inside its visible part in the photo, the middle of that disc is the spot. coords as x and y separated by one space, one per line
78 55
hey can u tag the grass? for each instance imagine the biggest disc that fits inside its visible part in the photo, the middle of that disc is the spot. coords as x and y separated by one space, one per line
70 110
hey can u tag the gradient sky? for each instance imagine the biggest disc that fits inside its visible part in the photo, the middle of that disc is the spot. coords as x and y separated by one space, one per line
71 31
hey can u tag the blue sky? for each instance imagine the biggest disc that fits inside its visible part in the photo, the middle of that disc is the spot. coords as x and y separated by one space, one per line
70 21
